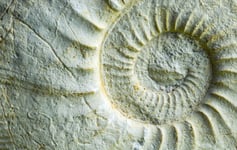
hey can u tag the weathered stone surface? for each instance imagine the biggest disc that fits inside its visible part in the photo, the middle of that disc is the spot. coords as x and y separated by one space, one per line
118 74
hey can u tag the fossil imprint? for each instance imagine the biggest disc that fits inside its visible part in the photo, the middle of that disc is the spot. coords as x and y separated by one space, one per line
167 68
166 65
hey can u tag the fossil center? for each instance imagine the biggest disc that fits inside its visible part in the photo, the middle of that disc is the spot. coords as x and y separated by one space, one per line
168 59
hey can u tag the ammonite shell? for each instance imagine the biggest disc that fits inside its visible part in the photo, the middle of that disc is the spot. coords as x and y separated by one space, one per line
174 65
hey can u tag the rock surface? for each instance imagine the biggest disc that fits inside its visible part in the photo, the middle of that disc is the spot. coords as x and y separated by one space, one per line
118 74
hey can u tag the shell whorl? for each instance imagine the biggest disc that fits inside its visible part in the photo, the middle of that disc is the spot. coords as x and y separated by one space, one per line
160 65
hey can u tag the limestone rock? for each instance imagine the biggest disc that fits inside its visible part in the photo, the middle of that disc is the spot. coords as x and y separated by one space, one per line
118 74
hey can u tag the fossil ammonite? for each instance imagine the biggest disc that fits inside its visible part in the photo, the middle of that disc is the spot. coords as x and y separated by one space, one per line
118 74
166 63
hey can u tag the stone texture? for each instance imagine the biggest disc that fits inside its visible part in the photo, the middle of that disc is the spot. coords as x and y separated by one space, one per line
118 74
